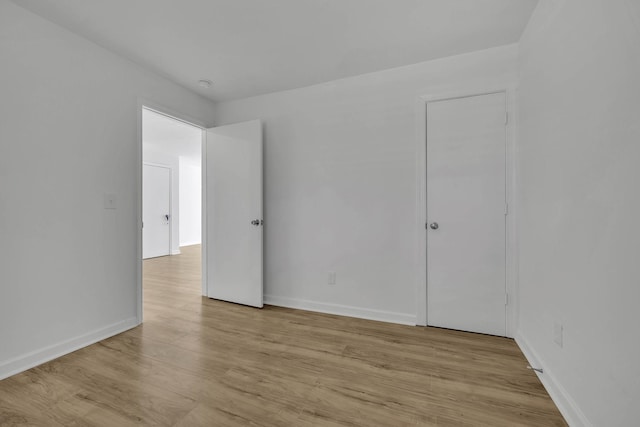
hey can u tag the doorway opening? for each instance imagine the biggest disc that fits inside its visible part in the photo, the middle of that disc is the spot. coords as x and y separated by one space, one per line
171 210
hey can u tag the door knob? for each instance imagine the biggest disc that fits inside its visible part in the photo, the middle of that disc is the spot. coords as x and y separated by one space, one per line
434 225
256 222
166 217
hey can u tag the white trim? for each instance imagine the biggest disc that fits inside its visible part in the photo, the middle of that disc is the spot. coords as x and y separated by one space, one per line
567 406
139 168
421 211
512 218
144 103
203 215
421 204
159 165
169 112
38 357
341 310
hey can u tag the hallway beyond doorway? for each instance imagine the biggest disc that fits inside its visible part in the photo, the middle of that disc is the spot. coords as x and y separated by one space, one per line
171 282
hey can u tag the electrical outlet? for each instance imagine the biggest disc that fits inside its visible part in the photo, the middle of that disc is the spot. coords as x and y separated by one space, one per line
557 333
110 201
332 277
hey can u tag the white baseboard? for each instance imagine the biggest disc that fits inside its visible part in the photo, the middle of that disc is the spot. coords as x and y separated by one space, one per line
38 357
175 252
567 406
341 310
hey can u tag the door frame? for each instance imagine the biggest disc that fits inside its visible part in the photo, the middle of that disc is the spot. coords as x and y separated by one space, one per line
144 103
160 165
421 201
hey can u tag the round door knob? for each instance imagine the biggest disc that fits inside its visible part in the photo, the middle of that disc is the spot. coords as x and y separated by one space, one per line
434 225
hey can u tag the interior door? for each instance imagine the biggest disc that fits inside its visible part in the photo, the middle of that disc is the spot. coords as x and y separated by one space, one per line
156 211
233 167
466 207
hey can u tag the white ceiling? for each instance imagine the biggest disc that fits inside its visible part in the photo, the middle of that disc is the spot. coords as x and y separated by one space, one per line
251 47
172 137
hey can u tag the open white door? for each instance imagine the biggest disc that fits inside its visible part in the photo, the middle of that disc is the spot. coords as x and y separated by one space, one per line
233 167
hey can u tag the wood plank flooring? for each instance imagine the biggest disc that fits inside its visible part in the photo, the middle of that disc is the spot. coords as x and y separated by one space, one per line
199 362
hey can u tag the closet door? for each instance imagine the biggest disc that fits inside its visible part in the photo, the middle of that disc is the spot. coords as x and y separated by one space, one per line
466 207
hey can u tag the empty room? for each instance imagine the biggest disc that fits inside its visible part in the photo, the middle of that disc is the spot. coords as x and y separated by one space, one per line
319 213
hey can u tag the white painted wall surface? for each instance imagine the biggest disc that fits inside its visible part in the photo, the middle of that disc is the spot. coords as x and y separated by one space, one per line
68 135
340 183
579 139
190 203
154 155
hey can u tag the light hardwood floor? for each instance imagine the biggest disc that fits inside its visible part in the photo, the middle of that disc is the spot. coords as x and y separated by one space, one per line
199 362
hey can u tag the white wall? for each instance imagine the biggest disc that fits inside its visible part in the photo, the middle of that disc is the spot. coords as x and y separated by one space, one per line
580 206
190 203
155 155
340 183
68 135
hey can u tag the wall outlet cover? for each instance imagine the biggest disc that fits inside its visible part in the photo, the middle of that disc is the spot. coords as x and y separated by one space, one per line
332 278
557 333
110 201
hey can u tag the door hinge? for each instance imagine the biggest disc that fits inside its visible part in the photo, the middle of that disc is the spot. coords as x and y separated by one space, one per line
506 118
506 299
506 208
